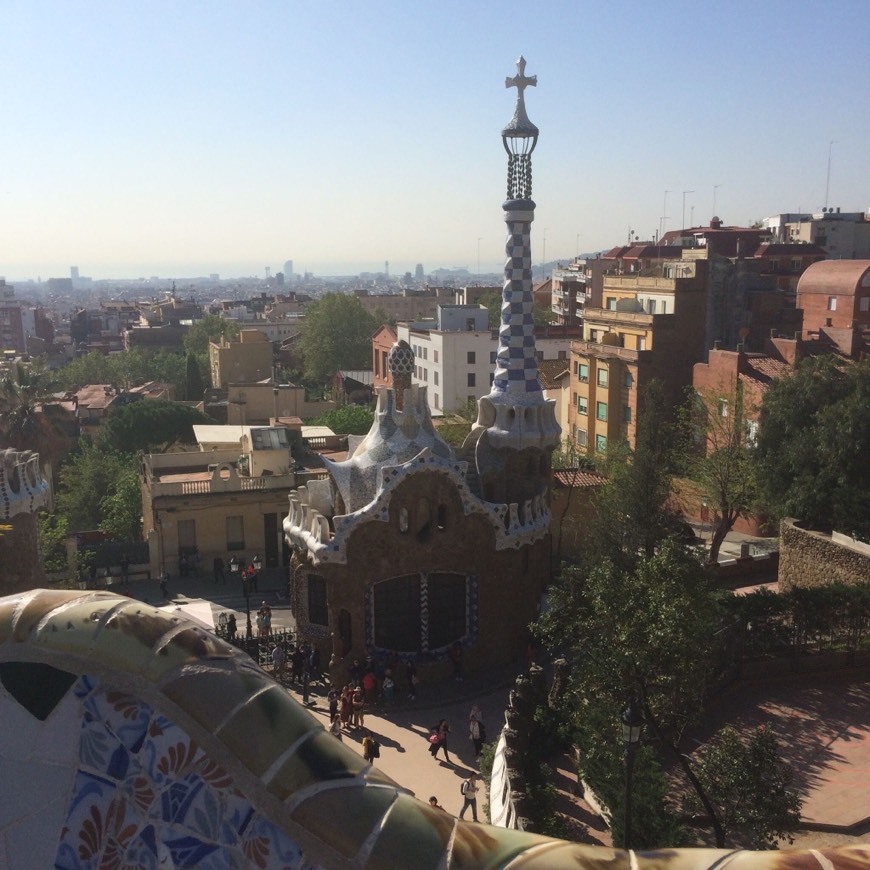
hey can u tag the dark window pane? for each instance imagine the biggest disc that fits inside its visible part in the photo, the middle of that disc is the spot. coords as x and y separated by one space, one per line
317 610
397 613
447 609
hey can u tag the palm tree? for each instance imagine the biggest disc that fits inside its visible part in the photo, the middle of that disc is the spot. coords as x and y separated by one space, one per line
28 419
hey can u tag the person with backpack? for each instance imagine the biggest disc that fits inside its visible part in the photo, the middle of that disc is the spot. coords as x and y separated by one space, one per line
469 790
371 748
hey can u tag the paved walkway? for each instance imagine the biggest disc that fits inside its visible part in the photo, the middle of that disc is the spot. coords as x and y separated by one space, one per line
823 722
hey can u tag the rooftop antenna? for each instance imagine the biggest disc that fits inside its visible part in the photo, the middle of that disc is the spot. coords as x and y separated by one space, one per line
684 208
831 145
664 216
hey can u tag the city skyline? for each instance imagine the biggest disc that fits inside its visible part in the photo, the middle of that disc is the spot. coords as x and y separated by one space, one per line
193 139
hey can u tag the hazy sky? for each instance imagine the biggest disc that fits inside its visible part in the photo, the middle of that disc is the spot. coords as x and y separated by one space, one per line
181 138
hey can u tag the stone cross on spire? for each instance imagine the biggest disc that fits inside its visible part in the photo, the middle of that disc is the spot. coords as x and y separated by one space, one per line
520 121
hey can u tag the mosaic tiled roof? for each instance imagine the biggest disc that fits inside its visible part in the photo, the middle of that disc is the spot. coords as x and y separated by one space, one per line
395 438
135 738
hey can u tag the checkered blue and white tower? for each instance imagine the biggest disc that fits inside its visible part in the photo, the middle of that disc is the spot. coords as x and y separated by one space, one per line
516 429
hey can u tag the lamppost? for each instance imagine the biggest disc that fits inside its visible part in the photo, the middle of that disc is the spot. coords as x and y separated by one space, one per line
236 567
632 724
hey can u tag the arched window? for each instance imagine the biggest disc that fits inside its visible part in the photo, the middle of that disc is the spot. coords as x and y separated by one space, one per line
418 613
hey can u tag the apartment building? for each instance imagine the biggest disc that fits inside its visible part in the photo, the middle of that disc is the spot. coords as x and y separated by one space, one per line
649 326
577 286
455 354
219 500
842 235
834 297
247 359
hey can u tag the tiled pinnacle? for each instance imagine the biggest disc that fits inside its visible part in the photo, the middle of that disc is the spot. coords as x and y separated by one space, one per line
516 368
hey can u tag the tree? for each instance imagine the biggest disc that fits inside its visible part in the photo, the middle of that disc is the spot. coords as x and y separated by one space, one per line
347 420
93 368
195 385
209 328
643 630
813 443
122 509
90 476
721 461
337 335
633 512
751 787
149 424
28 420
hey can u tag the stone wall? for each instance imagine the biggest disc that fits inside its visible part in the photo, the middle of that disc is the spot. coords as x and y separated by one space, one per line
808 558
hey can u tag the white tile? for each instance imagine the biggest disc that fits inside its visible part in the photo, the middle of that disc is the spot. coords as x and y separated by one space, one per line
32 842
27 786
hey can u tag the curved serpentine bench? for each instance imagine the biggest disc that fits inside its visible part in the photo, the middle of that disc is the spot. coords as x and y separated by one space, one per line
132 738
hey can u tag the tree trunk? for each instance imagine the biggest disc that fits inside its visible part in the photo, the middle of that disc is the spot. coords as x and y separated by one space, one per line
690 774
717 539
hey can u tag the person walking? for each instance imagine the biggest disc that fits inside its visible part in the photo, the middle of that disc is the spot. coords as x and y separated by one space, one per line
232 628
332 699
279 660
346 706
358 706
469 793
218 570
477 733
164 584
335 727
413 680
438 740
371 748
389 688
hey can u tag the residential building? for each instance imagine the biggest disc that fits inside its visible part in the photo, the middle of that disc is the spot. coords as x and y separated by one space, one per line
17 320
455 354
650 326
382 343
245 360
786 262
409 305
218 501
577 286
834 297
842 235
265 401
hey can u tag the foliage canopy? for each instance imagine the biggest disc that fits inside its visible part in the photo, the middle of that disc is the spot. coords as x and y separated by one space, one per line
813 444
337 335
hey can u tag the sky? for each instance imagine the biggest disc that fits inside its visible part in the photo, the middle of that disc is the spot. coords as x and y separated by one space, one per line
185 138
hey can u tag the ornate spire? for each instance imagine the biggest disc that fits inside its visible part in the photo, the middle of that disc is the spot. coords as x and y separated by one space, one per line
516 428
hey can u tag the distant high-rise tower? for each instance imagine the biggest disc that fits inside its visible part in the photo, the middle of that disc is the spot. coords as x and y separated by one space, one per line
418 273
268 272
288 270
516 429
74 272
387 268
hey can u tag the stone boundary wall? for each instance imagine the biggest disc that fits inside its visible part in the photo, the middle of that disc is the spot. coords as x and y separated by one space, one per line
809 559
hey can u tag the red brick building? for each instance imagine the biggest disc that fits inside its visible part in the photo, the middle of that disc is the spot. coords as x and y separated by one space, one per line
834 296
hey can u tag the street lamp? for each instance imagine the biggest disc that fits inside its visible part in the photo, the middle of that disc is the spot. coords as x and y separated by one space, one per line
256 563
631 721
235 568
